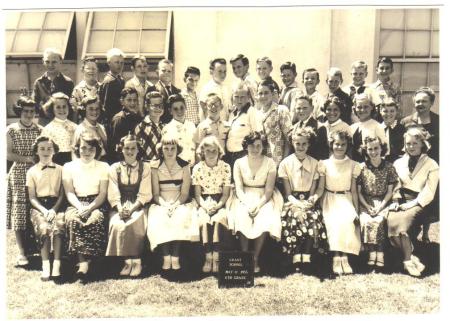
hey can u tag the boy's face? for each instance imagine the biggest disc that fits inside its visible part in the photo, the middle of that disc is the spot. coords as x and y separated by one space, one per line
140 69
191 81
332 112
45 152
130 102
333 83
219 73
287 77
93 112
239 69
363 109
359 75
116 64
384 71
52 62
422 103
302 109
178 110
61 109
263 69
389 114
165 73
240 98
311 80
156 107
214 106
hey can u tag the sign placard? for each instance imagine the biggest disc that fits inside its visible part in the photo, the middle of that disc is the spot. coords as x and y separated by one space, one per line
236 269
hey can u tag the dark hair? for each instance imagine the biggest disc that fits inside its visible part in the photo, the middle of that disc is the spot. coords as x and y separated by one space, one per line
87 101
91 140
289 66
264 59
127 91
49 106
333 100
151 94
310 70
370 139
136 58
121 144
167 140
86 60
339 134
212 63
244 59
41 139
386 60
307 132
428 91
173 99
191 70
304 97
269 83
254 136
24 101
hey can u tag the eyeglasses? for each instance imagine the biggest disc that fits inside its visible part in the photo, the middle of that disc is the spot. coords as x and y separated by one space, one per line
216 105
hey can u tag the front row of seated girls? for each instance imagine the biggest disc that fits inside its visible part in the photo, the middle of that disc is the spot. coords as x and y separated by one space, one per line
334 204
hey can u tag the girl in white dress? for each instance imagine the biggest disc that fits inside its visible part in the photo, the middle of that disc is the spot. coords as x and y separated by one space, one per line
256 207
337 182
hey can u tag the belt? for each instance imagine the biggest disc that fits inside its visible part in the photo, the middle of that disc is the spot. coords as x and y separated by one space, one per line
337 192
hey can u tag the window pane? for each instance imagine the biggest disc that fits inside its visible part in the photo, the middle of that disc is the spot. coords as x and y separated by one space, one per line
391 43
130 20
100 42
418 19
104 20
414 76
32 20
9 35
435 107
155 20
127 41
54 39
26 41
435 19
57 20
406 103
433 80
396 75
417 43
392 19
435 44
12 19
153 41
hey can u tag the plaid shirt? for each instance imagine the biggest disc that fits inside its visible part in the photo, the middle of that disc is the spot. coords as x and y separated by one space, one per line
192 106
149 134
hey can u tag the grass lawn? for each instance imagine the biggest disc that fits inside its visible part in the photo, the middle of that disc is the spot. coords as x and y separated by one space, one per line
296 294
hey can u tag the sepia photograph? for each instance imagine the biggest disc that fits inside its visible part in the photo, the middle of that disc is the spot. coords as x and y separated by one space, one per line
229 160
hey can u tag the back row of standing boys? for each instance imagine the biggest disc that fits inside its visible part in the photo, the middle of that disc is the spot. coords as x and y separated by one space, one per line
256 128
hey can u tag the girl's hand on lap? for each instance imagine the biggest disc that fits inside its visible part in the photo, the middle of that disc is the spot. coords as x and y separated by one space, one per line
394 206
51 215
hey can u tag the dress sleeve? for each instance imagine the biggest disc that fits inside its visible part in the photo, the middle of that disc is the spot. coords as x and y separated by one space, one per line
196 174
321 168
427 194
282 173
255 120
271 166
356 170
285 121
392 175
237 173
104 172
145 188
226 174
67 171
113 187
29 178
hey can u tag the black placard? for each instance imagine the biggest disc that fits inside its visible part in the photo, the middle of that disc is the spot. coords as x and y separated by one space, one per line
236 269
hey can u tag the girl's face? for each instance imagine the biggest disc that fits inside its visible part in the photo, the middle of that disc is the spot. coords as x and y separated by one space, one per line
339 148
27 115
413 145
422 103
333 83
332 112
130 151
87 152
90 71
240 98
211 153
178 110
45 151
302 109
374 150
156 108
61 109
301 145
264 95
169 151
389 114
256 148
384 70
130 102
93 112
363 109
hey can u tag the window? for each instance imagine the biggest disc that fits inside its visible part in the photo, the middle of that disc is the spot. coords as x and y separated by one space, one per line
411 38
134 32
29 33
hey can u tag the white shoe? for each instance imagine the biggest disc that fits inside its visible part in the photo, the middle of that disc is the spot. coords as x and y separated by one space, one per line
126 268
207 267
166 262
410 267
372 258
175 260
420 267
22 260
380 259
337 266
136 267
346 268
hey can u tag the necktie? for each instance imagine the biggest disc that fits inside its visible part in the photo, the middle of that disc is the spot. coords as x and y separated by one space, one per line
47 166
169 92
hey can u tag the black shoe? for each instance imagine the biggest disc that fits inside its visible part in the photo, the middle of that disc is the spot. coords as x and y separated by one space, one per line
57 279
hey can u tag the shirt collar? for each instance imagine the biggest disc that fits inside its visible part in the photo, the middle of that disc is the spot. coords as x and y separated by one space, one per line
60 121
133 165
41 165
391 126
86 123
370 166
45 75
306 164
336 123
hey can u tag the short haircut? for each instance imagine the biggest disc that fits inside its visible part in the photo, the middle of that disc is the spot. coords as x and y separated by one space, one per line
307 132
128 91
370 139
152 94
212 63
91 140
87 60
241 57
428 91
362 97
254 136
289 66
49 106
127 138
24 101
386 60
418 132
136 58
359 64
241 86
339 134
209 140
333 100
191 70
88 100
41 139
164 62
212 96
175 98
304 97
264 59
114 52
167 139
50 51
269 83
389 102
335 71
314 70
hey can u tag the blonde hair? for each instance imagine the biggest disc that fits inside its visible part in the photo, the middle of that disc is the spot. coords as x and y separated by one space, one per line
114 52
209 140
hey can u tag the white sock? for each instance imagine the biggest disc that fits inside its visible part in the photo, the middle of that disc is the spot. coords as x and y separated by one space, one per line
306 258
56 268
84 266
45 268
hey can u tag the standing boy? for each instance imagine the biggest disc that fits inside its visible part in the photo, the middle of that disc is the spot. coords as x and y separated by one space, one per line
334 81
240 65
165 86
310 78
290 89
191 78
139 81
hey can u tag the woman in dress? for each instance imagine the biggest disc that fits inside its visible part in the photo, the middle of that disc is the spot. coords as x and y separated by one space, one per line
129 190
414 198
20 137
255 210
172 217
85 182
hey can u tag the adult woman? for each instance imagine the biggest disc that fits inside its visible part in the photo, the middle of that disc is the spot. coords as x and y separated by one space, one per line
129 190
256 208
85 181
414 198
276 121
19 141
172 218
